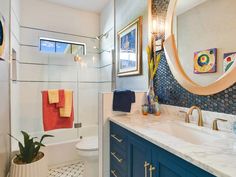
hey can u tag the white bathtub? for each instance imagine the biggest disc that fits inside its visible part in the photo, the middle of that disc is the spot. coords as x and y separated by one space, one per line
64 152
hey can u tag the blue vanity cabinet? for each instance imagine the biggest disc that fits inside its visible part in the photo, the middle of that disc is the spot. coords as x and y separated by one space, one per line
169 165
137 157
139 153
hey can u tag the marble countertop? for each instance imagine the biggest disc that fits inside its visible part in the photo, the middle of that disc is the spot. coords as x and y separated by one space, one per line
218 157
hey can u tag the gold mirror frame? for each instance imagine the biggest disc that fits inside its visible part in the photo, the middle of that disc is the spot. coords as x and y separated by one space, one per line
225 81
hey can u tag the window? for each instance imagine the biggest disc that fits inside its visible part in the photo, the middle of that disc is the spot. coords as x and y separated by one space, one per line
64 47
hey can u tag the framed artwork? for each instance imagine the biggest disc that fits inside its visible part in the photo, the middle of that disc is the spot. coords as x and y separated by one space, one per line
2 37
205 61
229 59
129 54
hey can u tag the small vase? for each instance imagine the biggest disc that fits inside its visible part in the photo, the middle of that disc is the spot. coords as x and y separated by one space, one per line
151 97
157 110
145 109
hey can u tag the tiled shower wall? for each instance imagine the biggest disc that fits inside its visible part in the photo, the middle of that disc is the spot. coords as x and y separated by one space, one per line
170 91
38 71
107 47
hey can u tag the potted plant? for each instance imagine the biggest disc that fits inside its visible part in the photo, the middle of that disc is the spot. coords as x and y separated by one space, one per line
30 161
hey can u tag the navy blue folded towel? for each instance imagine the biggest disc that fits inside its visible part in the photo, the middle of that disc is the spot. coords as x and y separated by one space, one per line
122 100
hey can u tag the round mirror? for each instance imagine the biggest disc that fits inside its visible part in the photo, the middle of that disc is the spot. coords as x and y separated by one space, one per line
199 44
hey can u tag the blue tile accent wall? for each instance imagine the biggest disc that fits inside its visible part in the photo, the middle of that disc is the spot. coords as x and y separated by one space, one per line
171 92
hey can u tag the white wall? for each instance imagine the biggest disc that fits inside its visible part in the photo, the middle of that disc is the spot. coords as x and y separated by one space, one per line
126 12
43 19
107 43
41 14
4 95
203 27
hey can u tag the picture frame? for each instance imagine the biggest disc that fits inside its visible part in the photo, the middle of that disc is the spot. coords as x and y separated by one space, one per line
229 59
205 61
129 51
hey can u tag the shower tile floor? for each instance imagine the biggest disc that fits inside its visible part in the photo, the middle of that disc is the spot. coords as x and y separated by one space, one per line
72 170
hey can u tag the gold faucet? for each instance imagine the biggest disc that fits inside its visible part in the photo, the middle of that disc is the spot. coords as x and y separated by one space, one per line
186 119
215 125
200 120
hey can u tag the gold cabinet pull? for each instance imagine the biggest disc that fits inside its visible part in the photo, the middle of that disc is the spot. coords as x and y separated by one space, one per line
146 164
117 158
113 172
151 169
117 139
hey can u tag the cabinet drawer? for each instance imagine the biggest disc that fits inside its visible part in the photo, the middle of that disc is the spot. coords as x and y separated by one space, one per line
118 159
115 172
118 136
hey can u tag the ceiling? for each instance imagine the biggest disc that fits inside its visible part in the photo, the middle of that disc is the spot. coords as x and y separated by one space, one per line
86 5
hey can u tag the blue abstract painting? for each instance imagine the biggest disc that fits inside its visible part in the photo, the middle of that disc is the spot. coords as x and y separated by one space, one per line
129 49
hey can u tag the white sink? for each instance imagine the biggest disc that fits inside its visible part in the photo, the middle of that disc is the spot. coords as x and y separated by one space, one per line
185 133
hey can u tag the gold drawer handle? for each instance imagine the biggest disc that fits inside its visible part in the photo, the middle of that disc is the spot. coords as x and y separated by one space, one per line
151 169
118 159
113 172
146 164
117 139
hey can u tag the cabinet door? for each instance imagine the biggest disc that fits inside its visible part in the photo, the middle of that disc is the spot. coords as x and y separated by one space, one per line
169 165
139 153
166 165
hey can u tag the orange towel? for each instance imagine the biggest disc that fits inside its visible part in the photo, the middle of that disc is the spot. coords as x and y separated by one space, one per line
61 103
66 110
53 96
51 115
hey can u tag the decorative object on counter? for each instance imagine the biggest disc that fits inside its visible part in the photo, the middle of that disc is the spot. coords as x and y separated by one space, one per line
205 61
153 63
2 37
122 100
145 109
229 59
30 162
157 109
152 99
130 49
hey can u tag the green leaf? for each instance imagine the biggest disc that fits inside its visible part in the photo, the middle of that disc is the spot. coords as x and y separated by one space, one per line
26 137
31 148
22 151
45 136
39 144
37 150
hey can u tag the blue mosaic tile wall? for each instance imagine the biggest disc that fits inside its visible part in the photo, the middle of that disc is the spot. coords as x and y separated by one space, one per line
171 92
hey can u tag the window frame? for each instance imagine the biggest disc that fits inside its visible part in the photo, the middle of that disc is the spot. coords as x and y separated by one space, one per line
61 41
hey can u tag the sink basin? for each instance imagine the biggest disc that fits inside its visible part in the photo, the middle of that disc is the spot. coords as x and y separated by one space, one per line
185 133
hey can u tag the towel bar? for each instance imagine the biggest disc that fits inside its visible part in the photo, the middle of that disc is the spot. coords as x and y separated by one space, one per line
77 125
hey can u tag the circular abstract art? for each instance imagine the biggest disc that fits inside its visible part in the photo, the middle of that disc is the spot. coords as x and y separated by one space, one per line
205 61
2 37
